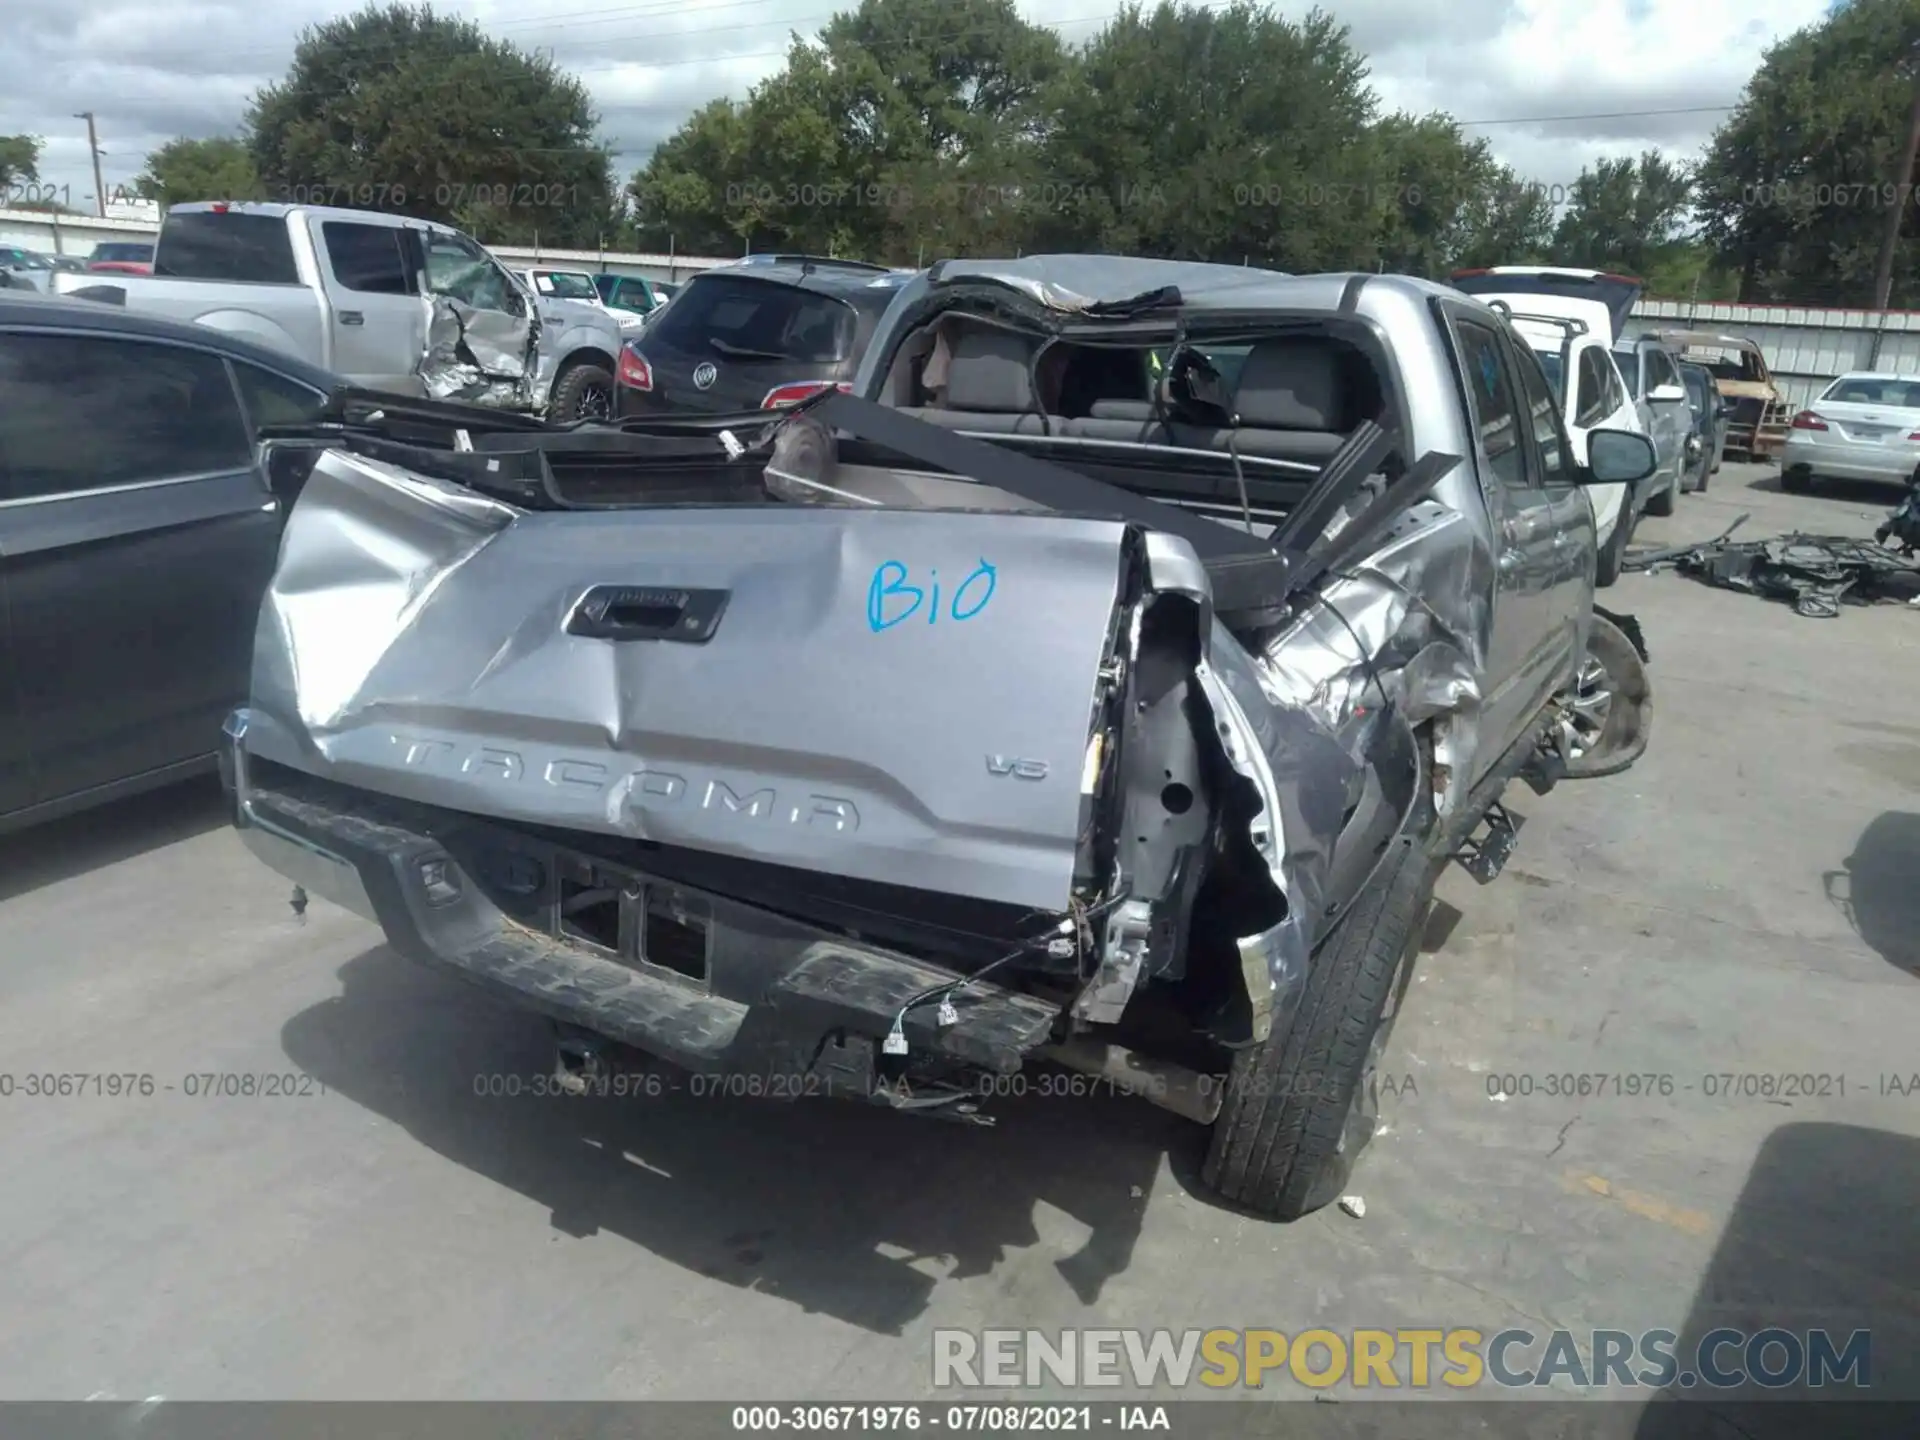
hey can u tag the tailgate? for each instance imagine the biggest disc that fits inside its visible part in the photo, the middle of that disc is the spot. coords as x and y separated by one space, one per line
896 696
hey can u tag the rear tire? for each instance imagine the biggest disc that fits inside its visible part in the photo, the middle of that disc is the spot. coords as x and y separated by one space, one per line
584 392
1300 1108
1796 479
1663 503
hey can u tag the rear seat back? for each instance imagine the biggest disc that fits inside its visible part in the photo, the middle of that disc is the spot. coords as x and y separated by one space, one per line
1300 396
988 384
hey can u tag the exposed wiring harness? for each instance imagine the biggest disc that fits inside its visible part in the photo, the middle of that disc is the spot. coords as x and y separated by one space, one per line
1074 930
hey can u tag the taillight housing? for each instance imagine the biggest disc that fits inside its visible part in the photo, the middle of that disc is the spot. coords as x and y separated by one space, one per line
794 391
1807 420
634 372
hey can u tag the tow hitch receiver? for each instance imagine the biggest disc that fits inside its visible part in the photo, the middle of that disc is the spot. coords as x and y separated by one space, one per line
1484 856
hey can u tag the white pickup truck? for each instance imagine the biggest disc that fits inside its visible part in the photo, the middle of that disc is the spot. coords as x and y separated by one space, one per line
381 300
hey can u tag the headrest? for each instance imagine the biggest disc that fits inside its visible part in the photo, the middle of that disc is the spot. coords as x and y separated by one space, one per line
987 370
1295 383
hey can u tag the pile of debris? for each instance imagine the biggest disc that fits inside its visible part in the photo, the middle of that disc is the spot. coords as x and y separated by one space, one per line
1816 574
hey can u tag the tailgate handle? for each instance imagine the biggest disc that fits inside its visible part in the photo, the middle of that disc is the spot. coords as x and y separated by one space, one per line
648 612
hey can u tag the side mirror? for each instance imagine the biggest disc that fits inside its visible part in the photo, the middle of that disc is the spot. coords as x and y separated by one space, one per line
1618 457
1667 394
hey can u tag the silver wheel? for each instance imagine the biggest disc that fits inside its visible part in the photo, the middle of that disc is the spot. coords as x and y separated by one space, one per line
1583 728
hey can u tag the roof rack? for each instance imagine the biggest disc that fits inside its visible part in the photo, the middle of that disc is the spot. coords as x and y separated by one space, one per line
1568 323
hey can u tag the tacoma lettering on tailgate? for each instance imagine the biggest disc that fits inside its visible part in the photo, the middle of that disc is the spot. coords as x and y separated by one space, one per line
641 787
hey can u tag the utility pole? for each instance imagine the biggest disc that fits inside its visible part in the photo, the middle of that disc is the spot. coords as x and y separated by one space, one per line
93 144
1902 194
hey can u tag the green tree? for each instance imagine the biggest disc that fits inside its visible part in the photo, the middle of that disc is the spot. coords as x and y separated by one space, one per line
1795 186
183 170
1626 214
1509 221
1444 201
681 195
20 159
403 109
905 123
1218 134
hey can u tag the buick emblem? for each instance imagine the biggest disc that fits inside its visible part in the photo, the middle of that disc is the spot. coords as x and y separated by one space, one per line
704 374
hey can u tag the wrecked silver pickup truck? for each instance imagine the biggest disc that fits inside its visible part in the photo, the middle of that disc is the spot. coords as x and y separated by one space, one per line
387 302
1103 682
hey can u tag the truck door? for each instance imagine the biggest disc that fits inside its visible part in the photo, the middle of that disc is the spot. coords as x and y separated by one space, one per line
1571 549
137 541
1525 648
377 325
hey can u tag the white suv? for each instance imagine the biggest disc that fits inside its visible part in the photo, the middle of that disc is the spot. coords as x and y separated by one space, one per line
1572 336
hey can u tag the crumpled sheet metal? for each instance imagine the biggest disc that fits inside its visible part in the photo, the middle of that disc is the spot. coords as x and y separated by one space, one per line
1413 615
1417 622
374 543
480 356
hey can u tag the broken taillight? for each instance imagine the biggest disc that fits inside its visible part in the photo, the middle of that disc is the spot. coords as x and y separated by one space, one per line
634 373
1807 420
795 391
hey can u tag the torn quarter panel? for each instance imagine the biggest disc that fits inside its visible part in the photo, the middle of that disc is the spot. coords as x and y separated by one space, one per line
897 696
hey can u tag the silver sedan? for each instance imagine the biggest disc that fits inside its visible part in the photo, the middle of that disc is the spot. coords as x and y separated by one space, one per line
1864 426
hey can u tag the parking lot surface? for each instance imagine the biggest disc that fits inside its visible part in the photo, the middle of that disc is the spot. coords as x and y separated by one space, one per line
1741 906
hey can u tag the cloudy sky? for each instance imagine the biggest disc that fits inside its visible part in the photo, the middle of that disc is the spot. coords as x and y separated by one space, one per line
1514 68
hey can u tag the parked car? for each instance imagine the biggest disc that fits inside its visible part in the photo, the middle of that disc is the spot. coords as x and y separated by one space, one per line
1707 445
800 779
1652 373
1572 336
137 534
1863 426
387 302
115 257
766 332
633 295
575 287
26 269
1758 414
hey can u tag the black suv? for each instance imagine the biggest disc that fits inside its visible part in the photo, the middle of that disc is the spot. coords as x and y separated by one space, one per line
761 333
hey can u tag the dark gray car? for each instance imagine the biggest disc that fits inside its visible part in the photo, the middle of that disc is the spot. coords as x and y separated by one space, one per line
1707 444
137 534
755 336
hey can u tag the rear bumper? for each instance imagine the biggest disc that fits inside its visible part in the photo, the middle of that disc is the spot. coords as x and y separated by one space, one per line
1846 460
804 1008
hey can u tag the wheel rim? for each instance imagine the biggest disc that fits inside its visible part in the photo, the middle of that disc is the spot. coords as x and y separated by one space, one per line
595 403
1584 726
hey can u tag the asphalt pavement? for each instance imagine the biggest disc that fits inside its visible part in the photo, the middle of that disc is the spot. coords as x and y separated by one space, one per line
370 1222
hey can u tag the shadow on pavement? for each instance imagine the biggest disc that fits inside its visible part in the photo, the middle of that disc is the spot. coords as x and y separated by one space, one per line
1879 889
1884 494
826 1204
1825 1236
108 834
